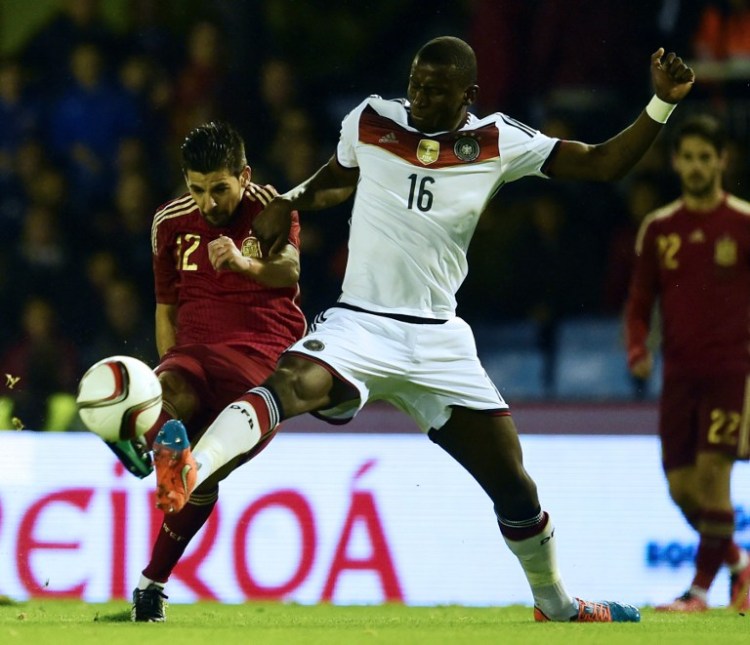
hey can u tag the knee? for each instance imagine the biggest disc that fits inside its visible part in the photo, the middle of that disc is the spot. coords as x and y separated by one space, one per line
300 386
684 496
178 393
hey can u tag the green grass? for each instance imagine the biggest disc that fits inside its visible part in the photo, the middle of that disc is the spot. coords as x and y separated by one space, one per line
60 622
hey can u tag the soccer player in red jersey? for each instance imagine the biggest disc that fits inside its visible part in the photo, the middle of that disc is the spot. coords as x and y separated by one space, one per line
224 314
693 255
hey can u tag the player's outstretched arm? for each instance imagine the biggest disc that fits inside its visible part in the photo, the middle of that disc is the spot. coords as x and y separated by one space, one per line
331 185
672 79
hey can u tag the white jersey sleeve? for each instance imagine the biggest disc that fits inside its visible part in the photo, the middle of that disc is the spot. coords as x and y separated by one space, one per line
523 150
346 152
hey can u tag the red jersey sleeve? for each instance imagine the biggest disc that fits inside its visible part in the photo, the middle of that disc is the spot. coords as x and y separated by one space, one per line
166 276
294 230
641 294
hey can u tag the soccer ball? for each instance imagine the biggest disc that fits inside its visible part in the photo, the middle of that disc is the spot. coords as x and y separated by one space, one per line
119 398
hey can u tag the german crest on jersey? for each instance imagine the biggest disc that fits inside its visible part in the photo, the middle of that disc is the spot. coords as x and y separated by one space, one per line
251 248
466 149
428 151
725 251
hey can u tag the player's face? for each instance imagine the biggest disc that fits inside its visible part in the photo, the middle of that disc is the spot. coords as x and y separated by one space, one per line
699 166
437 96
217 193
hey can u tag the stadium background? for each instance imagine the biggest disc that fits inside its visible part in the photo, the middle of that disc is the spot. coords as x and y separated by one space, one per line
94 99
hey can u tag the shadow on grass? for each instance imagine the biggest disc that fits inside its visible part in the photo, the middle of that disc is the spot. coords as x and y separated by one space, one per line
117 617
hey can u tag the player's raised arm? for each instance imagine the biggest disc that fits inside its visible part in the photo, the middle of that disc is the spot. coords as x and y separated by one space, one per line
331 185
672 79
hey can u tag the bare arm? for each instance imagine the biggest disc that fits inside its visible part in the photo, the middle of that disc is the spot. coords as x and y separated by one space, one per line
331 185
613 159
277 269
166 327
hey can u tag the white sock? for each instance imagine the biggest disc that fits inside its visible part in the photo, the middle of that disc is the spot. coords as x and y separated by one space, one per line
538 558
235 431
145 583
741 563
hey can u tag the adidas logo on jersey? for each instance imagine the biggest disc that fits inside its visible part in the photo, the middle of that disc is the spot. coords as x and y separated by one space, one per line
388 138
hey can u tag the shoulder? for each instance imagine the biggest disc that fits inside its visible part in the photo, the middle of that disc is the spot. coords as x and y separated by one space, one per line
393 109
171 211
503 122
663 213
655 218
517 142
738 205
249 207
180 206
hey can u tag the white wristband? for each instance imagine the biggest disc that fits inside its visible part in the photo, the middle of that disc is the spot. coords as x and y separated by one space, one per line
659 110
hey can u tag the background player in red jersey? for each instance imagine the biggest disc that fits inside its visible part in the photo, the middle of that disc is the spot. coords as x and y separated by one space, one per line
223 316
694 256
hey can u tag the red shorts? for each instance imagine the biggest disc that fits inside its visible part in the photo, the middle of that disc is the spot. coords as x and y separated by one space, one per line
707 414
218 374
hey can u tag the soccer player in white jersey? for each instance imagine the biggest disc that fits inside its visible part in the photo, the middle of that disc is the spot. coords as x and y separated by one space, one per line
424 169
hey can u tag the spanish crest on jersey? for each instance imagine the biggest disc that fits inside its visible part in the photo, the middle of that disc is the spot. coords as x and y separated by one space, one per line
251 248
725 251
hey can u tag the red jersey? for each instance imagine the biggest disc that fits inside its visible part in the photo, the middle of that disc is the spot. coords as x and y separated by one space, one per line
220 306
698 265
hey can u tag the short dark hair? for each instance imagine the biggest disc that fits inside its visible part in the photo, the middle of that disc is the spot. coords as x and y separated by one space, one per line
704 126
449 50
213 146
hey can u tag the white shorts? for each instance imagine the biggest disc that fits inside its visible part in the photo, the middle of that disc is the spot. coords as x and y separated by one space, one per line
422 369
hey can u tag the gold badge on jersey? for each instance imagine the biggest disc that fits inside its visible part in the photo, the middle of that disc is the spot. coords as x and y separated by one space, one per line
251 248
467 149
428 151
725 251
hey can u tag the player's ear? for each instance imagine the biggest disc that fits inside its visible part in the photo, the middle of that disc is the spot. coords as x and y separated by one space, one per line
245 176
470 95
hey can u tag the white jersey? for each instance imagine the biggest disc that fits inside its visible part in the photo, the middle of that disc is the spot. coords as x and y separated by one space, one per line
418 201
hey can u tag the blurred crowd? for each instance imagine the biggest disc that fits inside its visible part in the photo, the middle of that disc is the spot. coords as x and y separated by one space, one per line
92 115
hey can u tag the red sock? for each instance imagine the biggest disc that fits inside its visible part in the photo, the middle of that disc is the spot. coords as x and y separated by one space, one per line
175 534
165 415
265 407
714 545
732 555
521 530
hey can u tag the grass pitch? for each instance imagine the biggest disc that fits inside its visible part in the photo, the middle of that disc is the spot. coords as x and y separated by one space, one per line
78 623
